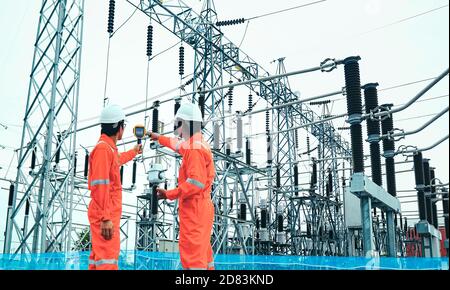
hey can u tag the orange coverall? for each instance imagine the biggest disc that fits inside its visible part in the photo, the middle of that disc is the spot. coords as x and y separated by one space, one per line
196 210
106 201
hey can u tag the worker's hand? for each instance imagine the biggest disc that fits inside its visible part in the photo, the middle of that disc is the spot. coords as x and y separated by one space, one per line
153 136
138 149
161 193
107 229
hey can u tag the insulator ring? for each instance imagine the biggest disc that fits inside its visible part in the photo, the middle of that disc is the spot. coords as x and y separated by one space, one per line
230 22
149 40
230 94
181 63
112 8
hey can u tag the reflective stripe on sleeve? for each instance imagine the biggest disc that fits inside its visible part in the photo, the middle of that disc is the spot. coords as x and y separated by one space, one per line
99 181
195 182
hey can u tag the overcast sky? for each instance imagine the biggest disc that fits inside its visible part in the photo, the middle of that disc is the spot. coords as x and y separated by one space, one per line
404 52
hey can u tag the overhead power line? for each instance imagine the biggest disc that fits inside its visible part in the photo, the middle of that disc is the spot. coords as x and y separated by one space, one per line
285 10
417 117
404 19
125 22
243 20
406 84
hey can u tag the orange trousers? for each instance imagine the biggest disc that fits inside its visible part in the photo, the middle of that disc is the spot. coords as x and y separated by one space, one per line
196 222
105 253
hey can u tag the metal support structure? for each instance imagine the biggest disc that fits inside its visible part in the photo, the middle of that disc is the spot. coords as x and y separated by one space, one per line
216 55
53 104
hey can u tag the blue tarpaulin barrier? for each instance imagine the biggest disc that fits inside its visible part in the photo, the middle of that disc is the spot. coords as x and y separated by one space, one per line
137 260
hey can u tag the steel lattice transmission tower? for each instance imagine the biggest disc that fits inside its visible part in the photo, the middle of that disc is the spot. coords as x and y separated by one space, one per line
48 135
214 56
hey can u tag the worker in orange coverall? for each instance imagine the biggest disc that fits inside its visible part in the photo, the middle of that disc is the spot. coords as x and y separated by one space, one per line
196 176
105 208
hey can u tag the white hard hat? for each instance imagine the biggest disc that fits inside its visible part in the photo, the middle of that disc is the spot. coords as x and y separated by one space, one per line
112 114
189 112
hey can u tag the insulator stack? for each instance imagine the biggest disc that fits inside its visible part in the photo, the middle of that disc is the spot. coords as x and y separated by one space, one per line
133 179
387 125
354 108
176 107
248 156
11 195
267 121
27 207
154 200
426 178
433 196
75 164
191 80
121 174
336 199
405 224
269 150
86 164
175 110
318 103
278 177
243 212
230 95
296 179
230 22
155 117
373 132
228 151
33 158
279 223
445 208
257 223
308 146
308 230
112 8
419 176
250 103
149 40
231 200
330 184
201 104
239 135
296 138
58 150
263 218
216 144
181 61
314 175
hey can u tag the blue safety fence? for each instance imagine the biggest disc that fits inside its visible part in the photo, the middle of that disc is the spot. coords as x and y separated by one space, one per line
137 260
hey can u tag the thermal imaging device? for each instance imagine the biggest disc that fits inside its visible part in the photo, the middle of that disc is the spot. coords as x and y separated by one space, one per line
139 131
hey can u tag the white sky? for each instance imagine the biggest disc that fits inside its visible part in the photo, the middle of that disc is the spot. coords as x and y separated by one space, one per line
412 50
